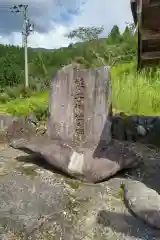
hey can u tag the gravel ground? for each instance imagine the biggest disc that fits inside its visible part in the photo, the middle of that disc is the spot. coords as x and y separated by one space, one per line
36 203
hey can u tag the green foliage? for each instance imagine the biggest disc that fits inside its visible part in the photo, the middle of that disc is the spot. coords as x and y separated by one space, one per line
114 36
90 51
15 92
41 112
4 98
86 34
135 93
114 49
37 104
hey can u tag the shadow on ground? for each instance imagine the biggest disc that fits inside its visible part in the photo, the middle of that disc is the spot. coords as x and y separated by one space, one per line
119 222
148 172
39 161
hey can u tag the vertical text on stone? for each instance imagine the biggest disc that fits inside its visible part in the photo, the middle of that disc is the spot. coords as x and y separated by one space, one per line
79 98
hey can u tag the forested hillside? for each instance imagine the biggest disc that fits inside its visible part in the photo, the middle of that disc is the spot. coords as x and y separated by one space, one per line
134 93
114 49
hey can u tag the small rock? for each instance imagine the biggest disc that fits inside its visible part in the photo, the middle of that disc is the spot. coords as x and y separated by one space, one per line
143 202
141 130
32 119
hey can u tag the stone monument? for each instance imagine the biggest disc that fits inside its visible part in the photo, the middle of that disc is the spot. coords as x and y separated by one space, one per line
78 140
81 99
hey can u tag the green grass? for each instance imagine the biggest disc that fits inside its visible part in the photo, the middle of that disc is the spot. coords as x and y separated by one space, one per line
133 93
25 106
136 93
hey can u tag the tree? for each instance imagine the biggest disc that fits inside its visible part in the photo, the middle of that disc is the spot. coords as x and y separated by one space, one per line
114 37
90 35
115 33
86 34
10 72
91 50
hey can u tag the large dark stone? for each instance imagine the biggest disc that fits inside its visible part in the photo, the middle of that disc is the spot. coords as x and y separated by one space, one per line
144 129
153 133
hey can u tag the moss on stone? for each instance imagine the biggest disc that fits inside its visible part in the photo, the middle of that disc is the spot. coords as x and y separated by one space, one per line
28 170
73 184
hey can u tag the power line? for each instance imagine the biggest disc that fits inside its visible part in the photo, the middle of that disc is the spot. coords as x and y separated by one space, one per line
5 7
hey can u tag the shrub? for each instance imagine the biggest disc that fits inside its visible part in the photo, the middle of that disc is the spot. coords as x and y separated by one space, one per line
41 112
12 93
4 98
18 92
38 104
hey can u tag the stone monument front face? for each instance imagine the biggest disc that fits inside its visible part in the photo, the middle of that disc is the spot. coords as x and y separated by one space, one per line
80 104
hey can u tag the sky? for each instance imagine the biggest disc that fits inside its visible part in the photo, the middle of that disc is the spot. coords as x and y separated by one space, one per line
55 18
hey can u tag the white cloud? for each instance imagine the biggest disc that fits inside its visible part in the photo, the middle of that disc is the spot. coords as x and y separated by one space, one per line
52 39
93 13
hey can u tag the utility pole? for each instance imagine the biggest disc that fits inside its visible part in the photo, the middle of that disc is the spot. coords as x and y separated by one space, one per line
27 29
